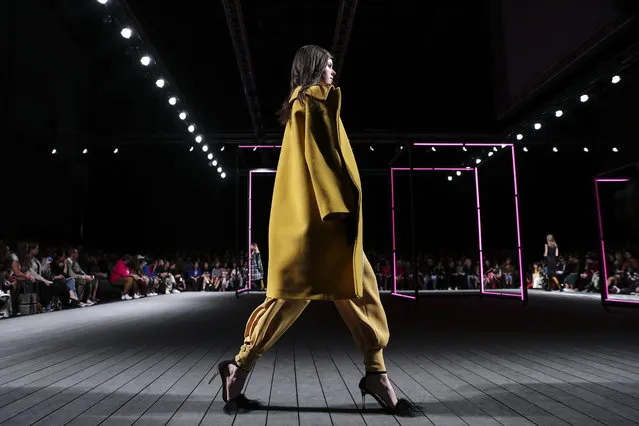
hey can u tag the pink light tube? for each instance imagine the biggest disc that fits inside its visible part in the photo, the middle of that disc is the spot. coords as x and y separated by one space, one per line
606 294
250 220
485 144
434 169
429 169
260 146
523 290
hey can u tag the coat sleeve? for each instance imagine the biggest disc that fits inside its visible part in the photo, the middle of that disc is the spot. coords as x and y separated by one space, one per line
326 168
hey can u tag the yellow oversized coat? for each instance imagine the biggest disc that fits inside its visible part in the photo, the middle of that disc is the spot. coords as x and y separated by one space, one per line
316 183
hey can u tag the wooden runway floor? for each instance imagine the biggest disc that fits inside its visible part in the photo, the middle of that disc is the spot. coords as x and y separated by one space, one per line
465 361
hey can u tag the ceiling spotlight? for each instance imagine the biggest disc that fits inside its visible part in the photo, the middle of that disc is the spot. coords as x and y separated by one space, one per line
223 175
210 156
371 148
432 148
222 149
205 148
84 151
191 149
450 178
145 60
490 154
525 149
615 149
586 149
191 128
464 149
559 113
219 170
458 173
198 138
182 115
115 151
554 149
478 160
537 126
254 149
172 100
584 98
503 145
54 151
214 163
160 82
103 1
615 79
495 148
126 33
519 136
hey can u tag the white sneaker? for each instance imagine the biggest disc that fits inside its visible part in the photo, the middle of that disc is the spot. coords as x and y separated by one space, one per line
136 296
3 294
175 291
126 297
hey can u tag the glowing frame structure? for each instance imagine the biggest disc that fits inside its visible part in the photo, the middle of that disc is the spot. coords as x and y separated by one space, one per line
605 296
250 219
524 291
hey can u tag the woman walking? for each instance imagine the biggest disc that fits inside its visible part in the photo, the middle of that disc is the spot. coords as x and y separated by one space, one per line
315 238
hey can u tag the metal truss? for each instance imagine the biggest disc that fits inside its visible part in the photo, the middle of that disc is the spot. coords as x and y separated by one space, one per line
235 21
343 27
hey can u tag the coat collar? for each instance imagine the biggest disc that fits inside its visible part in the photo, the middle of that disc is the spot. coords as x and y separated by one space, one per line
318 92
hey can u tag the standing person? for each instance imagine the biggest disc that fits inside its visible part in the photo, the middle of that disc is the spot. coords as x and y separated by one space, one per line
315 238
257 269
551 253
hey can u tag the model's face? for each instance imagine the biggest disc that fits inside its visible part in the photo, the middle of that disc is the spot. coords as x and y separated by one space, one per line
328 73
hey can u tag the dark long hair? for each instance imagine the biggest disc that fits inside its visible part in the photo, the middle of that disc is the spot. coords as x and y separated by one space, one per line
308 65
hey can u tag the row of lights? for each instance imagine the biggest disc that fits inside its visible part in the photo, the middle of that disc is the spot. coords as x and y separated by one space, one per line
85 151
146 61
560 113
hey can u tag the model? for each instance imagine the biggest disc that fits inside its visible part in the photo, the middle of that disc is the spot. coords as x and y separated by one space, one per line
551 253
315 238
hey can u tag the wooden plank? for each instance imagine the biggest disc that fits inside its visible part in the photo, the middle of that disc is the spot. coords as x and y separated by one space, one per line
91 395
313 410
351 372
101 411
592 392
568 395
165 407
259 387
462 408
130 412
548 408
24 397
53 397
47 366
204 406
283 402
342 406
469 388
596 368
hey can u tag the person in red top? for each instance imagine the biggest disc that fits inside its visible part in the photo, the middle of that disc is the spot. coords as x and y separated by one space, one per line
121 277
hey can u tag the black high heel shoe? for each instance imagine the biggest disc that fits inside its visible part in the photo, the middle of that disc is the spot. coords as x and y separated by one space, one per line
240 403
403 408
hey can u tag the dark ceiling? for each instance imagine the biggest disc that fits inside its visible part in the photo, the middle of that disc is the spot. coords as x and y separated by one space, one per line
410 65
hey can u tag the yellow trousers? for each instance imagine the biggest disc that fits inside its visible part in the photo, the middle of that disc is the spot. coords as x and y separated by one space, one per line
365 318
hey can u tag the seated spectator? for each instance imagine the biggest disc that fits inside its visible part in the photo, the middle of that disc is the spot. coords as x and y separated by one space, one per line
121 276
86 285
5 296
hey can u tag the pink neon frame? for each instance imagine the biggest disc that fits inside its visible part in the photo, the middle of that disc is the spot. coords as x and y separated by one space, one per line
522 272
250 220
605 293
